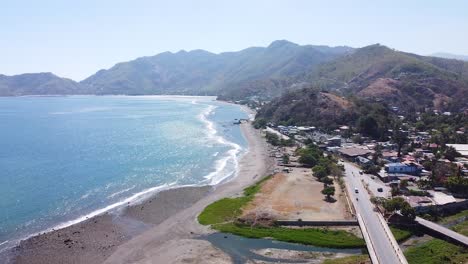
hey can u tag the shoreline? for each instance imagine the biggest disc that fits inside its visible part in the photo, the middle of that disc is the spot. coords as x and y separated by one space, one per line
142 195
108 234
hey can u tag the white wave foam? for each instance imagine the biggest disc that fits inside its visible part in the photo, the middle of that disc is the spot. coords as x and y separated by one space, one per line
134 198
219 174
82 110
120 192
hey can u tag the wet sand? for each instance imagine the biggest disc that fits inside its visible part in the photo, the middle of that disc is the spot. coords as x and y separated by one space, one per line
162 229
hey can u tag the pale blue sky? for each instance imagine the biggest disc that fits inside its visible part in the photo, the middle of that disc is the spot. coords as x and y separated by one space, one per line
74 39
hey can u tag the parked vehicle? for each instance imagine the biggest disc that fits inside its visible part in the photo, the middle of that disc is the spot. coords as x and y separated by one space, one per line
356 190
379 189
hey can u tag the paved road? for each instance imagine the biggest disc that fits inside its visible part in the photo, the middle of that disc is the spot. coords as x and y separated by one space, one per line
378 233
376 183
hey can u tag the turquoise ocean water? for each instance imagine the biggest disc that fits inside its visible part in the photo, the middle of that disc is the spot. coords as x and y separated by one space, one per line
65 158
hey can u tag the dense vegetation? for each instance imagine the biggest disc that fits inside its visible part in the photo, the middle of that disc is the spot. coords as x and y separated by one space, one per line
307 236
436 251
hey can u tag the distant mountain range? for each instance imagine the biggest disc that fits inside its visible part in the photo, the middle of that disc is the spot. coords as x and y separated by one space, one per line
38 84
374 72
196 72
200 72
450 56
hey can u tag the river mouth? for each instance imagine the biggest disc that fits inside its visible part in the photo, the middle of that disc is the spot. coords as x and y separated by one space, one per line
242 249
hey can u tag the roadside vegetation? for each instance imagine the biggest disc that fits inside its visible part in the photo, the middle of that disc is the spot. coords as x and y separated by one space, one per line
401 234
222 215
437 251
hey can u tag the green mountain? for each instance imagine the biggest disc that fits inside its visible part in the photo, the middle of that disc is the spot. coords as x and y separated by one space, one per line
200 72
402 79
38 84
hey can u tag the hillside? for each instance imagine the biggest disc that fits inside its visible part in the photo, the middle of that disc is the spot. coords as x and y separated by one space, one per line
308 107
402 79
200 72
38 84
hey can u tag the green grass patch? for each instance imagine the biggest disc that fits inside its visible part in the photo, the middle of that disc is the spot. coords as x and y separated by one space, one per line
307 236
461 228
221 215
401 234
440 251
349 260
453 218
227 209
436 251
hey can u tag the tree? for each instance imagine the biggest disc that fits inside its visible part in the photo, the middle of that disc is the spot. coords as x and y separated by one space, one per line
326 180
328 191
400 138
319 171
285 158
395 191
378 200
451 153
260 123
272 138
367 125
309 155
408 211
457 185
357 139
403 184
394 204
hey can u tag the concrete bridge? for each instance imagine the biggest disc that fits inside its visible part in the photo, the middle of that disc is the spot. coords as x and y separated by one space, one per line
443 231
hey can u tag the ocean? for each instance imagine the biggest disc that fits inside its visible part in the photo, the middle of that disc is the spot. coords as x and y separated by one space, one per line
63 159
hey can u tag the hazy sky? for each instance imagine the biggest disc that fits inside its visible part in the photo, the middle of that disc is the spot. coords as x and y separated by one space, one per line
76 38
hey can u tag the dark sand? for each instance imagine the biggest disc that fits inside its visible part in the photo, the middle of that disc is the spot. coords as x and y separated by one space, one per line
162 229
93 240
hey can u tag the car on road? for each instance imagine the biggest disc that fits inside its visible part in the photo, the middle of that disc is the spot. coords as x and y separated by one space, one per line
361 172
356 190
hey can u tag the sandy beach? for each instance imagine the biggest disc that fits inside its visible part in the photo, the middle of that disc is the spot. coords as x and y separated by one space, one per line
162 229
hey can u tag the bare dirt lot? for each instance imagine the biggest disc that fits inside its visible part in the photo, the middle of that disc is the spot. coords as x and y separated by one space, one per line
297 194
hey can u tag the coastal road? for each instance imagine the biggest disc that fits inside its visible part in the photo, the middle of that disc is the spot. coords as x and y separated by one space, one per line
383 242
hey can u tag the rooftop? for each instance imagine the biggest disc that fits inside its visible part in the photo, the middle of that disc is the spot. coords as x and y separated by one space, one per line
354 152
